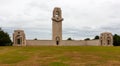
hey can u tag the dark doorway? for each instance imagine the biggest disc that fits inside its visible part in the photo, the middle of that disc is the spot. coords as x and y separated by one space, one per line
108 42
57 42
18 41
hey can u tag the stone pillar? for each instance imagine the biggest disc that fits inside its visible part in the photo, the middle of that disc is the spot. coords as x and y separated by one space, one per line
106 39
19 38
57 25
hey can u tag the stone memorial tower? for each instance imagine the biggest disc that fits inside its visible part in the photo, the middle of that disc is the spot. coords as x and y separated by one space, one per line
57 25
19 38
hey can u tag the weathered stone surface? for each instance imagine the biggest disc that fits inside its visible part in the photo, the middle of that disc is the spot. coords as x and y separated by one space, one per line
19 38
106 39
63 43
57 25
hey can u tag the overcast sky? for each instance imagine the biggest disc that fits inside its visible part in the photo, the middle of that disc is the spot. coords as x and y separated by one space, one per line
82 18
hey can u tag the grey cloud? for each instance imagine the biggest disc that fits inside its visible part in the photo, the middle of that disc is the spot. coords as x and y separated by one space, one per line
80 33
112 27
82 18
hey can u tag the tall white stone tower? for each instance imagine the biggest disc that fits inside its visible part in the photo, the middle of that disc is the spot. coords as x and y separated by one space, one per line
57 25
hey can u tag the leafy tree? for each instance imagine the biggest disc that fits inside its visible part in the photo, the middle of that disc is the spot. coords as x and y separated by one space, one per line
87 39
116 40
96 37
4 39
69 38
35 39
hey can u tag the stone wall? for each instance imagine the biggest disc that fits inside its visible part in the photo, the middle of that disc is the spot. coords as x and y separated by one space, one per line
63 43
72 43
40 43
93 43
80 43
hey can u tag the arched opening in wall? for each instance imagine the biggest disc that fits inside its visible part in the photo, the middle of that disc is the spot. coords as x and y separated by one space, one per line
57 14
101 42
108 41
57 40
18 41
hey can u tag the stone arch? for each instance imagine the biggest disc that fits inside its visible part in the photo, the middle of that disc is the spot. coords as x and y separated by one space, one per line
19 38
57 11
18 41
106 39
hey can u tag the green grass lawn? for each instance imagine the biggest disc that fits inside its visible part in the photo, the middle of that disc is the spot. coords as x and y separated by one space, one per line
60 56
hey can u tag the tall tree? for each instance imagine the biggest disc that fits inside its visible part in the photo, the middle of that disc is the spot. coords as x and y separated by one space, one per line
116 40
69 38
4 39
96 37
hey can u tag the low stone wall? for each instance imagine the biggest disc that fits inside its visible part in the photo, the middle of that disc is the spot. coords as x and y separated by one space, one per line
63 43
40 43
72 43
93 43
80 43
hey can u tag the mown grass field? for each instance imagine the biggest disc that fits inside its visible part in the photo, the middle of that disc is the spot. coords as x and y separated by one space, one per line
60 56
